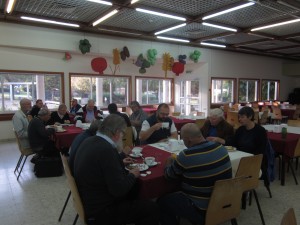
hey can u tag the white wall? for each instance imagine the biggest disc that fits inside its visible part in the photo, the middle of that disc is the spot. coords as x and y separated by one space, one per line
41 49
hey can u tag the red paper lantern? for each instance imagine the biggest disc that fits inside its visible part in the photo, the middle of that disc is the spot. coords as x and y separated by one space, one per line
178 68
99 64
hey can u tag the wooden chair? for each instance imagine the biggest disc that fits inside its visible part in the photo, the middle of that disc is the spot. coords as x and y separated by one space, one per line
295 156
226 108
128 137
74 191
176 114
294 123
289 218
24 152
256 117
200 113
249 168
277 116
264 117
225 202
297 113
200 122
233 119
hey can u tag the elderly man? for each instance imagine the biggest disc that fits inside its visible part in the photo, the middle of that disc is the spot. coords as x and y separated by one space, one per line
89 112
152 128
40 137
216 127
138 116
197 167
74 106
36 108
104 184
59 117
21 120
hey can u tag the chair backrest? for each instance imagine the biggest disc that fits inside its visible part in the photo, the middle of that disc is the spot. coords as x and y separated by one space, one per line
276 112
24 151
74 191
200 122
256 117
294 123
225 201
200 113
233 119
249 168
289 218
297 113
128 137
297 149
264 117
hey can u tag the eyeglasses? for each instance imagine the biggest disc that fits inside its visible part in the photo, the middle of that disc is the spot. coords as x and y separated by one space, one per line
163 114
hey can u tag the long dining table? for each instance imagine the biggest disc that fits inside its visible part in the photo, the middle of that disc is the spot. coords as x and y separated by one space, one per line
65 138
155 185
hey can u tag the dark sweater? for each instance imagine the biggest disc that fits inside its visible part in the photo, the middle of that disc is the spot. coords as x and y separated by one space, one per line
100 175
56 119
161 133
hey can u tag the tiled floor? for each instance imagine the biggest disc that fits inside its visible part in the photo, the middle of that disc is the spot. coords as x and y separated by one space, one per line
38 201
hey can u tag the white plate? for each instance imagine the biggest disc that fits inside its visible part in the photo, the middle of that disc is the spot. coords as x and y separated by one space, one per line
142 167
60 131
153 164
135 156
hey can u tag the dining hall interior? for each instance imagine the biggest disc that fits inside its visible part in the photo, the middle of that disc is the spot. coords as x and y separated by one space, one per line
121 59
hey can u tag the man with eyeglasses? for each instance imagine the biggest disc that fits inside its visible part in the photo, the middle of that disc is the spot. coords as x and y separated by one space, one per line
158 127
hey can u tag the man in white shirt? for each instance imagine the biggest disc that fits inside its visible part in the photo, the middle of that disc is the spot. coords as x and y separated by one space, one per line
21 120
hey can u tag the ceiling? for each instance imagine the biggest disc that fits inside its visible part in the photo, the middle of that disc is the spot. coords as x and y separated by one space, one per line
280 41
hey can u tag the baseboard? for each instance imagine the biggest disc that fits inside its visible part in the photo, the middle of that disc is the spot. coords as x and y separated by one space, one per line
8 140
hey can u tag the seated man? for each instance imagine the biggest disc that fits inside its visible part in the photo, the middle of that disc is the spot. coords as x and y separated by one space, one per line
152 128
137 117
216 127
21 120
103 183
89 112
197 167
113 109
59 117
74 106
36 108
40 138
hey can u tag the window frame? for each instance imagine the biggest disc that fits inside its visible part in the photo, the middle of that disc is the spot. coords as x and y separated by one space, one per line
8 116
257 92
156 78
261 87
102 76
215 105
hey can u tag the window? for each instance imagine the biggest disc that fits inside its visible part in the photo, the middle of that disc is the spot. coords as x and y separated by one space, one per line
153 90
189 96
269 90
102 89
32 85
248 90
222 90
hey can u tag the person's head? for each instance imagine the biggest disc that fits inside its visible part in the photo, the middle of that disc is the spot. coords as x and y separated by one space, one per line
135 106
216 116
25 105
162 112
112 108
44 114
246 115
62 109
74 102
94 127
114 126
191 134
39 103
90 105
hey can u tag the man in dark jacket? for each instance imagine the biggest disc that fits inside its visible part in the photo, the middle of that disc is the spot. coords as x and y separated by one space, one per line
113 109
60 116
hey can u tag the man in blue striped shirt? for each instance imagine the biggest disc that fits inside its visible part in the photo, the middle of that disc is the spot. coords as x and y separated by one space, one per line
197 167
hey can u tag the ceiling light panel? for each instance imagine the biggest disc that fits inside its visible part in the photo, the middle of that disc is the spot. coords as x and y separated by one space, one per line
270 44
234 39
167 15
283 29
49 21
170 28
219 26
100 2
130 19
72 10
213 44
173 39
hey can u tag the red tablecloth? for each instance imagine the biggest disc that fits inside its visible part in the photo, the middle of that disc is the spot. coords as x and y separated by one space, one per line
149 110
155 184
65 139
180 122
288 112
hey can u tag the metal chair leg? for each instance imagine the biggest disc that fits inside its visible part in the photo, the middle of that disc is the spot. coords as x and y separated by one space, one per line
258 206
63 209
22 167
293 171
234 222
75 220
19 161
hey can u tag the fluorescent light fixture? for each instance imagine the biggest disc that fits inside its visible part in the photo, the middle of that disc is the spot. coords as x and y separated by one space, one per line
10 6
105 17
214 45
171 28
117 31
218 26
160 14
173 39
228 10
100 2
133 1
276 24
49 21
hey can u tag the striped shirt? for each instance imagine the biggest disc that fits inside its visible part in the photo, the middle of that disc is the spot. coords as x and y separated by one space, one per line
198 167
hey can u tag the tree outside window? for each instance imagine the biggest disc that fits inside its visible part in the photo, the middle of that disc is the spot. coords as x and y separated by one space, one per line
270 90
248 90
222 90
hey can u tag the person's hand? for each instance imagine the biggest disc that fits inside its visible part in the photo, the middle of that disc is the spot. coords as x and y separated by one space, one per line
29 117
157 126
169 161
216 139
127 161
135 172
126 150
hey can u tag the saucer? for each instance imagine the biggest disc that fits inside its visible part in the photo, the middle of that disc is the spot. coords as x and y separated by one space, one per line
60 131
153 164
142 167
136 156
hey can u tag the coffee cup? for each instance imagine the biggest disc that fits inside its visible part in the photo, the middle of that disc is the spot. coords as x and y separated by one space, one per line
136 151
59 128
165 125
149 160
277 129
173 143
